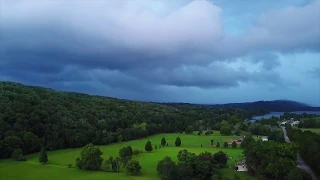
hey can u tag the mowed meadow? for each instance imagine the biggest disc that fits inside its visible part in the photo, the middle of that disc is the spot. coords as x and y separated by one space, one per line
57 166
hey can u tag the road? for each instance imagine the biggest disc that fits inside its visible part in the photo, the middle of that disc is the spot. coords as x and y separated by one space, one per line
300 161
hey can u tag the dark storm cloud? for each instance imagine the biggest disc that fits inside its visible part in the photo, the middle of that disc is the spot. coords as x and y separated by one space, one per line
112 44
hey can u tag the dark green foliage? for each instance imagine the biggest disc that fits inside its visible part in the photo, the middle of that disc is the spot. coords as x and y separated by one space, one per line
155 147
220 158
234 144
208 132
116 164
247 142
225 144
43 157
133 167
167 144
125 154
107 165
90 158
31 117
178 142
163 141
190 166
211 142
148 147
271 159
17 155
225 128
200 132
167 169
309 146
218 144
298 174
236 177
136 152
189 130
69 165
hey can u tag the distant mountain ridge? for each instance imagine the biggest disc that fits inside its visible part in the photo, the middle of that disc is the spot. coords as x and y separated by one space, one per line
271 106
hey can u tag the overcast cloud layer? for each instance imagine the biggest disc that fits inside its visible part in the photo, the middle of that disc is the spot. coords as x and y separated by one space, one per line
187 51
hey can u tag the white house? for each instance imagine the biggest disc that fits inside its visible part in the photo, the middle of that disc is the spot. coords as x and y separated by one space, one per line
241 166
264 138
295 123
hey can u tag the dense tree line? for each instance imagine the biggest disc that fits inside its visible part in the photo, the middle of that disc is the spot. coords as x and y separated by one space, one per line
32 117
272 160
309 146
192 166
312 122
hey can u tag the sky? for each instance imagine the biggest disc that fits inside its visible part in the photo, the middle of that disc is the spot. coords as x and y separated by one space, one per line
194 51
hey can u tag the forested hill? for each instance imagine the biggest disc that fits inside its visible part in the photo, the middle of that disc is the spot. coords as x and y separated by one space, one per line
268 106
34 116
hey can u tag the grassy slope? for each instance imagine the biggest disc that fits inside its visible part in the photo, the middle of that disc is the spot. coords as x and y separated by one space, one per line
316 130
58 160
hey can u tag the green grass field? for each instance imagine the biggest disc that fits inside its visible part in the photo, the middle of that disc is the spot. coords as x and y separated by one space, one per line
316 130
58 160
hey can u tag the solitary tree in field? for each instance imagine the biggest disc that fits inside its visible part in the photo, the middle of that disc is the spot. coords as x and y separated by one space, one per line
234 144
148 147
178 142
218 144
225 144
90 158
211 142
163 141
43 158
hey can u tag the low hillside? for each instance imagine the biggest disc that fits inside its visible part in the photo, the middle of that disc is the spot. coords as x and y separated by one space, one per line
34 116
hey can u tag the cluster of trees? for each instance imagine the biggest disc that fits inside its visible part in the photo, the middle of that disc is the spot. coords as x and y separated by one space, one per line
309 146
265 127
272 160
90 159
32 117
313 122
192 166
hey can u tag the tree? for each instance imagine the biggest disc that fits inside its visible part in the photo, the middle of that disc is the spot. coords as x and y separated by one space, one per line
204 167
43 158
148 147
211 141
298 174
167 169
236 177
234 144
246 143
178 142
125 154
90 158
225 128
155 147
200 132
163 141
107 165
220 158
189 130
18 155
218 144
116 164
133 167
225 144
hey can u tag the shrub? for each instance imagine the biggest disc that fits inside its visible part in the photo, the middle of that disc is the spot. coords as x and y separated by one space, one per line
218 144
136 152
225 144
148 147
133 167
43 158
163 141
178 142
69 165
18 155
234 144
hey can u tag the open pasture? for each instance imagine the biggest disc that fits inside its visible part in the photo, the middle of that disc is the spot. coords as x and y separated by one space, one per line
59 159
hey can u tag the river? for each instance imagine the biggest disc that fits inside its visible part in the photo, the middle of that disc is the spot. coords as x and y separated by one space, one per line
278 114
